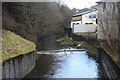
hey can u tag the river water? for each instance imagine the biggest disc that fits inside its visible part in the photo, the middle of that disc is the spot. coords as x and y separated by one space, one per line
65 63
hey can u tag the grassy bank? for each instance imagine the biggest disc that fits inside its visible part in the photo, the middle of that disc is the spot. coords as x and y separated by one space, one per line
92 49
13 45
115 58
66 41
88 44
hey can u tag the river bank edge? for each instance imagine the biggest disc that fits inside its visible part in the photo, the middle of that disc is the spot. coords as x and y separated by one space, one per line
96 51
18 59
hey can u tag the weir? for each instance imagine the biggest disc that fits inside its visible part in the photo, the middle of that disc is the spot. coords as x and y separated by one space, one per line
60 50
69 64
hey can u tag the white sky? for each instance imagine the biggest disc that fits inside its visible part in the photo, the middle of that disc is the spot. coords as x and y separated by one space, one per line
80 4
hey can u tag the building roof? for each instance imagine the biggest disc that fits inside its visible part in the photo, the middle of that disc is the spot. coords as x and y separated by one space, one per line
84 13
100 1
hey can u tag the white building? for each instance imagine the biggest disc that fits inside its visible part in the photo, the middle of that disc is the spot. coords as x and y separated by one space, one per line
84 22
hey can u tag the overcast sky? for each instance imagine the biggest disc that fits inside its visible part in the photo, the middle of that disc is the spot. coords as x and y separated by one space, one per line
80 4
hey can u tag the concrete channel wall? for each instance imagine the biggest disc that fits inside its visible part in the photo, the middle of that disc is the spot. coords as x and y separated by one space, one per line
109 65
19 66
81 28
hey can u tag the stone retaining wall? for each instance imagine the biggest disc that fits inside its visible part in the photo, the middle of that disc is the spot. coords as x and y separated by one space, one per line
19 66
109 65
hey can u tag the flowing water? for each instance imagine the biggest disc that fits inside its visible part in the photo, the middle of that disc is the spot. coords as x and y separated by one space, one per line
65 63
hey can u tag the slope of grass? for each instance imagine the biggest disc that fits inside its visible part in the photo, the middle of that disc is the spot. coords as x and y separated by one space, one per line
66 40
115 58
13 45
92 49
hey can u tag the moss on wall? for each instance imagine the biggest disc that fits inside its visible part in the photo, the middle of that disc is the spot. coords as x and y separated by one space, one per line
13 45
115 58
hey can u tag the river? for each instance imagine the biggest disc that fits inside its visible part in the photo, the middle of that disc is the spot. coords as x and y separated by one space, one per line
65 63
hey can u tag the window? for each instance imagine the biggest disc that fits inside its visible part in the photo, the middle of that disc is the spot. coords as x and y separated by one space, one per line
92 16
88 23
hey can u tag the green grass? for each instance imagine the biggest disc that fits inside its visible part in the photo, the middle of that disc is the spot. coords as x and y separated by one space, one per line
66 40
115 58
13 45
92 49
